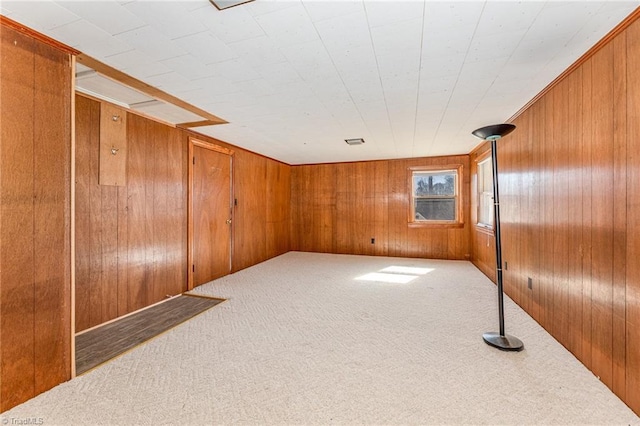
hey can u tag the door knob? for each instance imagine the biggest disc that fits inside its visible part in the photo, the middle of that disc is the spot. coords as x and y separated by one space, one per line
228 221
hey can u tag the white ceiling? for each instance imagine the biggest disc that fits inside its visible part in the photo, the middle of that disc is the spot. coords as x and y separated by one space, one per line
294 78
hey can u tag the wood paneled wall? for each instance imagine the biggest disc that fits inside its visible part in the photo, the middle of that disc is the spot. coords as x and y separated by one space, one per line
131 241
261 188
570 193
339 208
35 167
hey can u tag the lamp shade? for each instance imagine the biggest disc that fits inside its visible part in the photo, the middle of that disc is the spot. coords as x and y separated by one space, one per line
493 132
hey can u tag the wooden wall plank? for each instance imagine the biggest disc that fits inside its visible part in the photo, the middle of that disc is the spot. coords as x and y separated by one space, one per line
602 214
147 219
52 217
632 283
278 208
108 252
159 135
35 277
122 250
176 213
397 207
138 270
323 208
84 127
619 213
574 188
535 208
249 216
587 183
95 242
560 328
17 229
381 215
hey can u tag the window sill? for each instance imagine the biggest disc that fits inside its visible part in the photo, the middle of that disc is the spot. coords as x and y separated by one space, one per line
484 229
436 224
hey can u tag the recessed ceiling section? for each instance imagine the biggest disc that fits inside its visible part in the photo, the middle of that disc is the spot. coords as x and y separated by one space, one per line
92 83
166 112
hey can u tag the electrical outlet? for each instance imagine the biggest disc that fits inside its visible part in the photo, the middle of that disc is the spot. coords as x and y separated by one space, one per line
529 283
373 241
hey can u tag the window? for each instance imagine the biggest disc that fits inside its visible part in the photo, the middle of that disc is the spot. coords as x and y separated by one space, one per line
485 193
435 195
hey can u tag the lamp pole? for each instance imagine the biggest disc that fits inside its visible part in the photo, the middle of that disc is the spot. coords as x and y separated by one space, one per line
499 340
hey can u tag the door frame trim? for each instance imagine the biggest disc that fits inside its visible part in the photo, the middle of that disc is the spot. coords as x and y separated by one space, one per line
193 142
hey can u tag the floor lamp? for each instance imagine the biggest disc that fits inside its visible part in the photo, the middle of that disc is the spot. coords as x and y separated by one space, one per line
499 340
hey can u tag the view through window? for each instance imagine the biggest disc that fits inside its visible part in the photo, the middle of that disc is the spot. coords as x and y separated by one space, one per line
485 193
434 196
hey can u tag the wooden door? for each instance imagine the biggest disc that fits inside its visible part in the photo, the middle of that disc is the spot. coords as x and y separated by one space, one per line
210 213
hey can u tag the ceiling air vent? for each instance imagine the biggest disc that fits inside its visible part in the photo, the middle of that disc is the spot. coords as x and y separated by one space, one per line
358 141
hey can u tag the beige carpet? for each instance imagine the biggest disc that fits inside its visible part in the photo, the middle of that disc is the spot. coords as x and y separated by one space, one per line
302 340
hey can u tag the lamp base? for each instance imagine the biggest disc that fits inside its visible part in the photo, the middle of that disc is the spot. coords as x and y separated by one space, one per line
504 343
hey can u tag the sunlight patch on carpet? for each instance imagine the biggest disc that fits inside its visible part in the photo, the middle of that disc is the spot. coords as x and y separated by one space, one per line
407 270
387 278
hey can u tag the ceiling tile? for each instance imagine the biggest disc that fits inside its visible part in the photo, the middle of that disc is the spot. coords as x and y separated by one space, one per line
449 17
258 51
234 70
494 46
89 39
507 17
131 59
391 12
229 25
172 82
143 70
323 10
151 42
258 8
43 15
345 30
288 26
111 17
167 17
208 48
281 74
189 67
398 39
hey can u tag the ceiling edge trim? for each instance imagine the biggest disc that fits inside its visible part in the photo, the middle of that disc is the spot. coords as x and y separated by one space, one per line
634 16
380 159
201 123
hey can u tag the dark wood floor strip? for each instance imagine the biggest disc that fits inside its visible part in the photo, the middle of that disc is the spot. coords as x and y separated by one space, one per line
110 340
